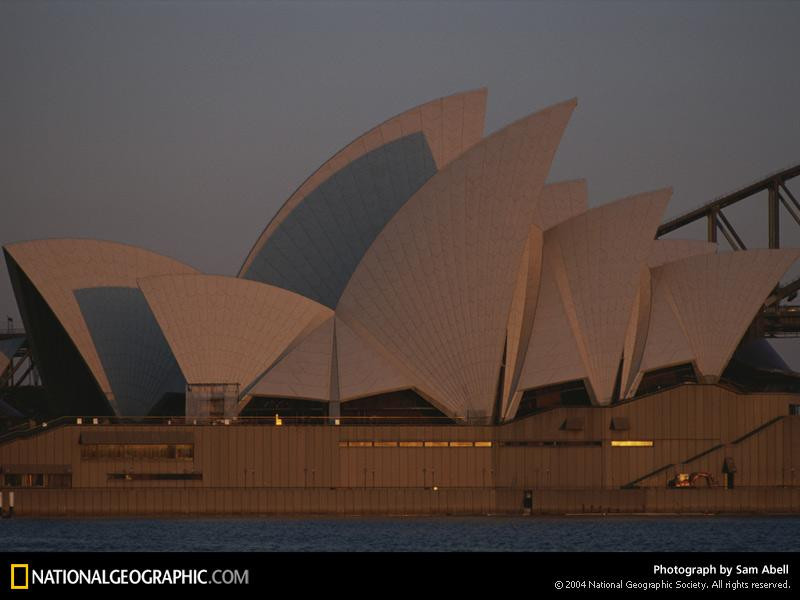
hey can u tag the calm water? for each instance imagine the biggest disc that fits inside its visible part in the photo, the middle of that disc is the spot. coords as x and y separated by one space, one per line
737 534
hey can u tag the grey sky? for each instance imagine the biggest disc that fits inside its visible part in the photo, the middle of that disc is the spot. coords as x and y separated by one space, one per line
182 127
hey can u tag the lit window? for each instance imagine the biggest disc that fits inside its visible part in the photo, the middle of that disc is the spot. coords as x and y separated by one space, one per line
411 444
34 480
360 444
385 444
461 444
436 444
483 444
632 443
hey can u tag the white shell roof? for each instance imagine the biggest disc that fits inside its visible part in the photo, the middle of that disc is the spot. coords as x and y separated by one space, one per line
225 330
435 287
78 277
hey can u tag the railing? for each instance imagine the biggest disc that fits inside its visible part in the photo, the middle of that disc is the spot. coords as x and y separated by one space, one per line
32 428
634 484
12 331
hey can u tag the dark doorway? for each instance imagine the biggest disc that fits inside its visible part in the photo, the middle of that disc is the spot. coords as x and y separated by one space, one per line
527 502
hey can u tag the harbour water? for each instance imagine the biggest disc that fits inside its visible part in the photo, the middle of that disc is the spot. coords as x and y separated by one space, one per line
368 534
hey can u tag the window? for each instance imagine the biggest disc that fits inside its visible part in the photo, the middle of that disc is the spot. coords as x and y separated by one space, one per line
137 451
13 480
632 443
38 480
34 480
668 377
184 451
414 444
550 443
155 476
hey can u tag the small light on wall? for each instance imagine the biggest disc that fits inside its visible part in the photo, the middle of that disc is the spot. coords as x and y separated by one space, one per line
336 422
436 488
278 420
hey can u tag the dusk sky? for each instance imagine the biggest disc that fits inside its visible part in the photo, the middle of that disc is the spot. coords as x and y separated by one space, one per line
181 127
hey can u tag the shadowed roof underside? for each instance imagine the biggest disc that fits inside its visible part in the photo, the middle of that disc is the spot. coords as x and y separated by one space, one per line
317 238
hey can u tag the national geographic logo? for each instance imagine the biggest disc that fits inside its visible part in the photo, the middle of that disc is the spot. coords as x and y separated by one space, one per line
22 576
19 576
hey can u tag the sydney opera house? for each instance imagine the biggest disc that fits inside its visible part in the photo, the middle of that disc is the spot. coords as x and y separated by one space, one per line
427 325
